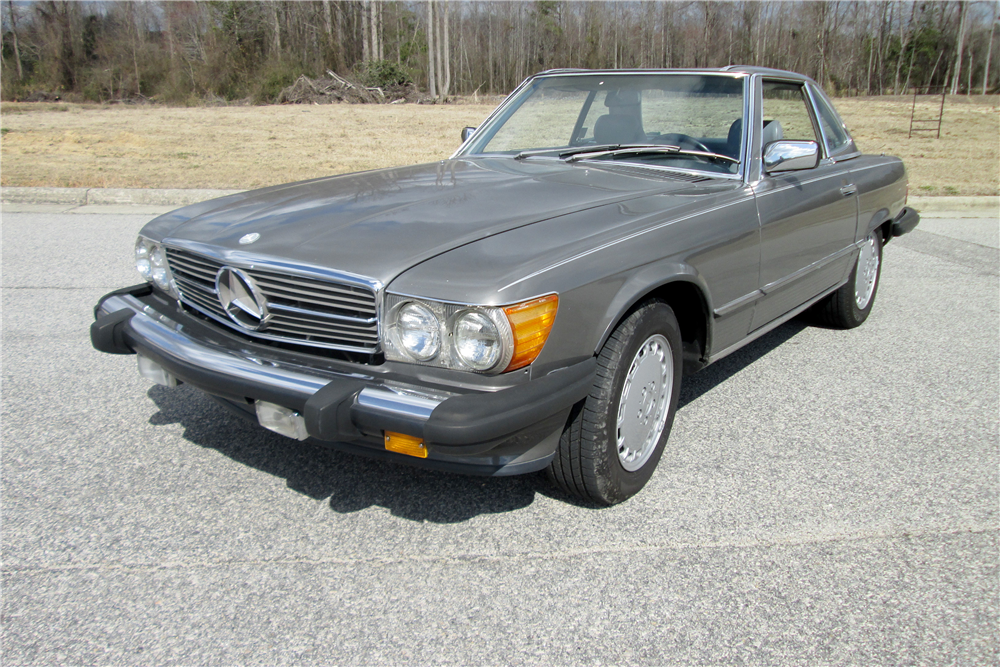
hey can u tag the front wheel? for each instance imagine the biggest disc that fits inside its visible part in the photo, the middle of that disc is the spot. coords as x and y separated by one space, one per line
613 442
850 305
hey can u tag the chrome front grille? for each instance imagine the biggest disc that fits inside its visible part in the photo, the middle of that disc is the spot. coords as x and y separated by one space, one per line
195 278
305 310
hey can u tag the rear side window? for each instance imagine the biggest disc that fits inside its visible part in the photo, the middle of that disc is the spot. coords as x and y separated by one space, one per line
833 128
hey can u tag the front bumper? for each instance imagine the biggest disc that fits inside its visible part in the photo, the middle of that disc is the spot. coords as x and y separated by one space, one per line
508 431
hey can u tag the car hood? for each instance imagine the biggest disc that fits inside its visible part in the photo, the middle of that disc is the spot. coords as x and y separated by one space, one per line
380 223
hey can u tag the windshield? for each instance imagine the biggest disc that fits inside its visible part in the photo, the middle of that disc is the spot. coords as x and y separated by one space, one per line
699 113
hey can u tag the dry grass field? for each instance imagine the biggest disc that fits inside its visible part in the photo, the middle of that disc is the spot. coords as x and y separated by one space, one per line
68 145
964 161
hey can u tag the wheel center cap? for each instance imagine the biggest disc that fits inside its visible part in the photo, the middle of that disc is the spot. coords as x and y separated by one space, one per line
647 401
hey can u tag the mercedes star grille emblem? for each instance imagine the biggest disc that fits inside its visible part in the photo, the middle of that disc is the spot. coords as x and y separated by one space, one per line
241 298
247 239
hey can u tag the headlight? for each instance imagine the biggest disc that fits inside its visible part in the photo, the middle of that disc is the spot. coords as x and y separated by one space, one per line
161 274
419 331
151 263
484 339
142 263
477 341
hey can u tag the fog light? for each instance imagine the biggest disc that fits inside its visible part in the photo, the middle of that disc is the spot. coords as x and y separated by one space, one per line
285 421
151 370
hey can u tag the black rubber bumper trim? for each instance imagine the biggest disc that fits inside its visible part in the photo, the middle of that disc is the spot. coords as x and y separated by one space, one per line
107 334
138 291
470 419
475 418
905 221
328 411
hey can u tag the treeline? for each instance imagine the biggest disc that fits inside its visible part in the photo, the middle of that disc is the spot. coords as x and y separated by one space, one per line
188 52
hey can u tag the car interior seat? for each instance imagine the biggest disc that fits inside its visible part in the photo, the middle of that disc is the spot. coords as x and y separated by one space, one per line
622 124
735 138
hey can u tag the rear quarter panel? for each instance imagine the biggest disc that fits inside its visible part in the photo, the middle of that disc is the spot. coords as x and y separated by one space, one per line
881 183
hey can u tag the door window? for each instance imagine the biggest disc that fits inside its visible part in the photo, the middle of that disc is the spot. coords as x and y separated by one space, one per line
786 113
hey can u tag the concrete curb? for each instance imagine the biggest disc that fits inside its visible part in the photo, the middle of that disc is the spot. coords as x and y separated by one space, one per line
183 197
109 196
939 204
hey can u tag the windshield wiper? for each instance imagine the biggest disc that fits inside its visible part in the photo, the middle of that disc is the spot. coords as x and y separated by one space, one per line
666 150
566 152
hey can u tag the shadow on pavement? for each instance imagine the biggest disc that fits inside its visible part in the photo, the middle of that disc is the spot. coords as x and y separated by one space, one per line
350 482
705 380
353 483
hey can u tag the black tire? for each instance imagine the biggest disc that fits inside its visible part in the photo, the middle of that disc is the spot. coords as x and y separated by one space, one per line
588 463
842 309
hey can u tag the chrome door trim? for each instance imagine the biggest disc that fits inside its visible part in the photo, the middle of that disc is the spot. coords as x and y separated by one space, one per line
736 304
815 266
771 326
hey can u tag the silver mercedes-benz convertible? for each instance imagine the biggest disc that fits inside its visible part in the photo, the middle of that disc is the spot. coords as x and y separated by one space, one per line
534 301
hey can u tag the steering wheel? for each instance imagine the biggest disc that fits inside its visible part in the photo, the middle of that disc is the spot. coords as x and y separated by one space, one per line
685 141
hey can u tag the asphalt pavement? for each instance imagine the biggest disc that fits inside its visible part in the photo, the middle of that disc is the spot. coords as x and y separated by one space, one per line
826 497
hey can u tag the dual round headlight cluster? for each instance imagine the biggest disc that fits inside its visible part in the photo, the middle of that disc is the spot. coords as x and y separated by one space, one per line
471 338
151 263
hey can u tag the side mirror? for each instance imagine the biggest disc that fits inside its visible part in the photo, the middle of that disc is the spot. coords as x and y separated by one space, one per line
790 156
466 133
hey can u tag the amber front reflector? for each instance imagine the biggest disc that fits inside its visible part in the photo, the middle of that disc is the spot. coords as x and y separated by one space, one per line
405 444
531 323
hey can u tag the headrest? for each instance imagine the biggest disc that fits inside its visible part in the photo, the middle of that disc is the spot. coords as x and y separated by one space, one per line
735 132
772 132
622 98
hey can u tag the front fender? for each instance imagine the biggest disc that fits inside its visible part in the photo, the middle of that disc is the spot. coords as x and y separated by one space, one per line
650 280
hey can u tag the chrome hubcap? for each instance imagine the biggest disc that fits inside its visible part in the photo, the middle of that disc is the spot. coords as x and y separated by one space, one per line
867 271
642 409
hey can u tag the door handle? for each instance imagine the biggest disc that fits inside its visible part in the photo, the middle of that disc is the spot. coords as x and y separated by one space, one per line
849 190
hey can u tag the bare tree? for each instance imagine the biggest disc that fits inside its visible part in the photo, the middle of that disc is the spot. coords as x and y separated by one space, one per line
377 52
57 24
431 51
989 54
960 47
225 48
273 8
445 53
13 32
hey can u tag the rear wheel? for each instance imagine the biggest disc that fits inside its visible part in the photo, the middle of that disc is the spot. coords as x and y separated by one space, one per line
850 305
614 440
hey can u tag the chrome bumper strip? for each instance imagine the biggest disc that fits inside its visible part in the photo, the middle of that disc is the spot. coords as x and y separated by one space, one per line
178 346
166 336
385 400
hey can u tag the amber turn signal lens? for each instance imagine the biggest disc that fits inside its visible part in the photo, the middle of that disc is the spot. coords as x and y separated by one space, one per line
405 444
530 323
